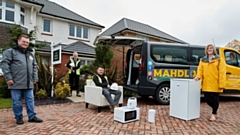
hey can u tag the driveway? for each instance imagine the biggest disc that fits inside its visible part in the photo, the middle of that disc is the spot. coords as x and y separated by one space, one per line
75 119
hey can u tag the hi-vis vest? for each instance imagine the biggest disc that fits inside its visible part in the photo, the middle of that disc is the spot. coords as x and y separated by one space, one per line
77 71
100 79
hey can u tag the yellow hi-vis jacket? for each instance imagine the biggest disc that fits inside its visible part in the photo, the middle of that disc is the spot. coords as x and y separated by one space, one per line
212 74
100 80
77 70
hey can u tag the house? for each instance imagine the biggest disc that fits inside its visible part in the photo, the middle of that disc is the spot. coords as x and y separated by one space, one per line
131 28
55 23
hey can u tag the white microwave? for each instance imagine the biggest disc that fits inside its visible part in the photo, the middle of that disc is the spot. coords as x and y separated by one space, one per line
124 114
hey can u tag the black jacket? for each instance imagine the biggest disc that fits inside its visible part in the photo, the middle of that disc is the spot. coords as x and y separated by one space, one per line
104 83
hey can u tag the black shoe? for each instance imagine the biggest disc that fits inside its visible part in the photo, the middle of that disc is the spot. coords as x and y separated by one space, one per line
35 119
78 95
19 121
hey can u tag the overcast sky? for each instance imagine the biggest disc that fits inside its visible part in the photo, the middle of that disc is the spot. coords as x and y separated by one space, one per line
193 21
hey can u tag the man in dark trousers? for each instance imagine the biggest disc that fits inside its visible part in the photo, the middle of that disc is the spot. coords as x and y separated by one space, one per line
74 73
101 80
20 71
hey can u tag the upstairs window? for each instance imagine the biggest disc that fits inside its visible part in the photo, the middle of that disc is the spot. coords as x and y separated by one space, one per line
22 15
46 25
78 31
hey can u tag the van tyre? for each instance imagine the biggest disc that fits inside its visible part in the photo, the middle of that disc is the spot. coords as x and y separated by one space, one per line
162 95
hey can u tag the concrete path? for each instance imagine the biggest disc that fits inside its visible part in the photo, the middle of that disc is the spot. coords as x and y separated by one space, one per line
74 97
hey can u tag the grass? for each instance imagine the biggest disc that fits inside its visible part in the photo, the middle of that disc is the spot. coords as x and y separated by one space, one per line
5 102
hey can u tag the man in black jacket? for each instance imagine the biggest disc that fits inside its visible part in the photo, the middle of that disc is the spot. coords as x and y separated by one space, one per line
101 80
20 72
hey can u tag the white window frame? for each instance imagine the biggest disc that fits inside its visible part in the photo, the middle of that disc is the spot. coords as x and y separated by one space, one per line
49 28
75 32
1 73
16 10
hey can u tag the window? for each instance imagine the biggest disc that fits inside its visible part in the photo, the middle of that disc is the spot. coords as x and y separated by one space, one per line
46 25
9 16
232 58
22 13
166 54
78 31
10 5
0 2
197 54
71 30
85 33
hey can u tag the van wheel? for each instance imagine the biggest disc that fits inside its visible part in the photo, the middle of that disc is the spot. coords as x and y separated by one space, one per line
162 95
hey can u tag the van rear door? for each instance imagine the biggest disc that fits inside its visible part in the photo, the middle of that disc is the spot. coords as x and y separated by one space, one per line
118 41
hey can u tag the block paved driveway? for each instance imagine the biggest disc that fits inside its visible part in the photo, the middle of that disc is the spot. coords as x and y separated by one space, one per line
74 119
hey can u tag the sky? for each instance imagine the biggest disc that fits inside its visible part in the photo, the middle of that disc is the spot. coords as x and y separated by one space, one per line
199 22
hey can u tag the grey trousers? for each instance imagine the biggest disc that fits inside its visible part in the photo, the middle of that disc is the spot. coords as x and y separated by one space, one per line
107 93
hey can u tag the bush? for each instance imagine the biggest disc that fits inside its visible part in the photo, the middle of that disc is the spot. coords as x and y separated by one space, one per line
4 91
41 94
62 90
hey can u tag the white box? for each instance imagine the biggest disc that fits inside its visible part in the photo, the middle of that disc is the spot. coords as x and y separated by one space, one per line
185 98
124 114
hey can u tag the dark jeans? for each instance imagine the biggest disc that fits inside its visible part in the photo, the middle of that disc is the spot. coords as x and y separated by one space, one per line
212 100
74 79
107 93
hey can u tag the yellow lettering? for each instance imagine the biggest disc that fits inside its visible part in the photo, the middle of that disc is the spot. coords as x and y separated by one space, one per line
194 73
173 73
186 73
157 73
180 73
165 73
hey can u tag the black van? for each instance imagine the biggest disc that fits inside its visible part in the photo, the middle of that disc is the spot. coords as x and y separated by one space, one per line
150 65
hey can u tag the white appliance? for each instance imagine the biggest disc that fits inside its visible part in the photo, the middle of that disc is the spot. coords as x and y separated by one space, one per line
185 98
124 114
151 115
132 103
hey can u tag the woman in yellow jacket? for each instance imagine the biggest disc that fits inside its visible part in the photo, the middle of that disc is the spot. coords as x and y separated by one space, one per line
212 73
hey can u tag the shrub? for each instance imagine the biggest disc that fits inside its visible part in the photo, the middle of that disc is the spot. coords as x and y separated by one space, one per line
4 89
41 94
62 90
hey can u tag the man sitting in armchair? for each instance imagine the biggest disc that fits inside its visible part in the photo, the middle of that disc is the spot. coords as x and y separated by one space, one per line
101 80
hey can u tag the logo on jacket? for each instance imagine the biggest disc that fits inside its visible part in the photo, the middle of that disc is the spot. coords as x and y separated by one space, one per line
30 57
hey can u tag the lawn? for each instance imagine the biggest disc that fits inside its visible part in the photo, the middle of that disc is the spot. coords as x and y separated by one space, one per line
5 102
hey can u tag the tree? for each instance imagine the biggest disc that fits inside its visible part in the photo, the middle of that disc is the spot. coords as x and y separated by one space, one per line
15 31
104 55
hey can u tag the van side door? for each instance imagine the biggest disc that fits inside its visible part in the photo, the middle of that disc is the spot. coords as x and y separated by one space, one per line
232 60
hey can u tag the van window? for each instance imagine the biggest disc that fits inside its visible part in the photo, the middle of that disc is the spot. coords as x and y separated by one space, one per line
197 54
232 58
169 54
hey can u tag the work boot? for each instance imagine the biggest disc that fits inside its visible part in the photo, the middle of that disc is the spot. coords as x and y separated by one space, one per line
19 121
111 108
35 119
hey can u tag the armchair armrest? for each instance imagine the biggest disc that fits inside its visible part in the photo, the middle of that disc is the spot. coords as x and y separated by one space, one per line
93 94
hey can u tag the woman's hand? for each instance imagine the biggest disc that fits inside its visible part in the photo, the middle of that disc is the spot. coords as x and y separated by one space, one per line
196 78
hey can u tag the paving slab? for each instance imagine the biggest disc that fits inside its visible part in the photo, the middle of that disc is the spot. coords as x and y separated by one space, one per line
74 119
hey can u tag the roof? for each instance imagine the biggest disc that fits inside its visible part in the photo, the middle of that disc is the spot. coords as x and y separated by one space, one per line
127 24
78 46
56 10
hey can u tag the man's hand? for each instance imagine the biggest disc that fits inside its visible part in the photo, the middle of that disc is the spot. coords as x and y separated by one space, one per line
73 71
108 86
35 82
10 82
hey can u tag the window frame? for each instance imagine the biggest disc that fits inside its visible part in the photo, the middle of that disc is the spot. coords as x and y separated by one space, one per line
172 60
50 26
77 28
